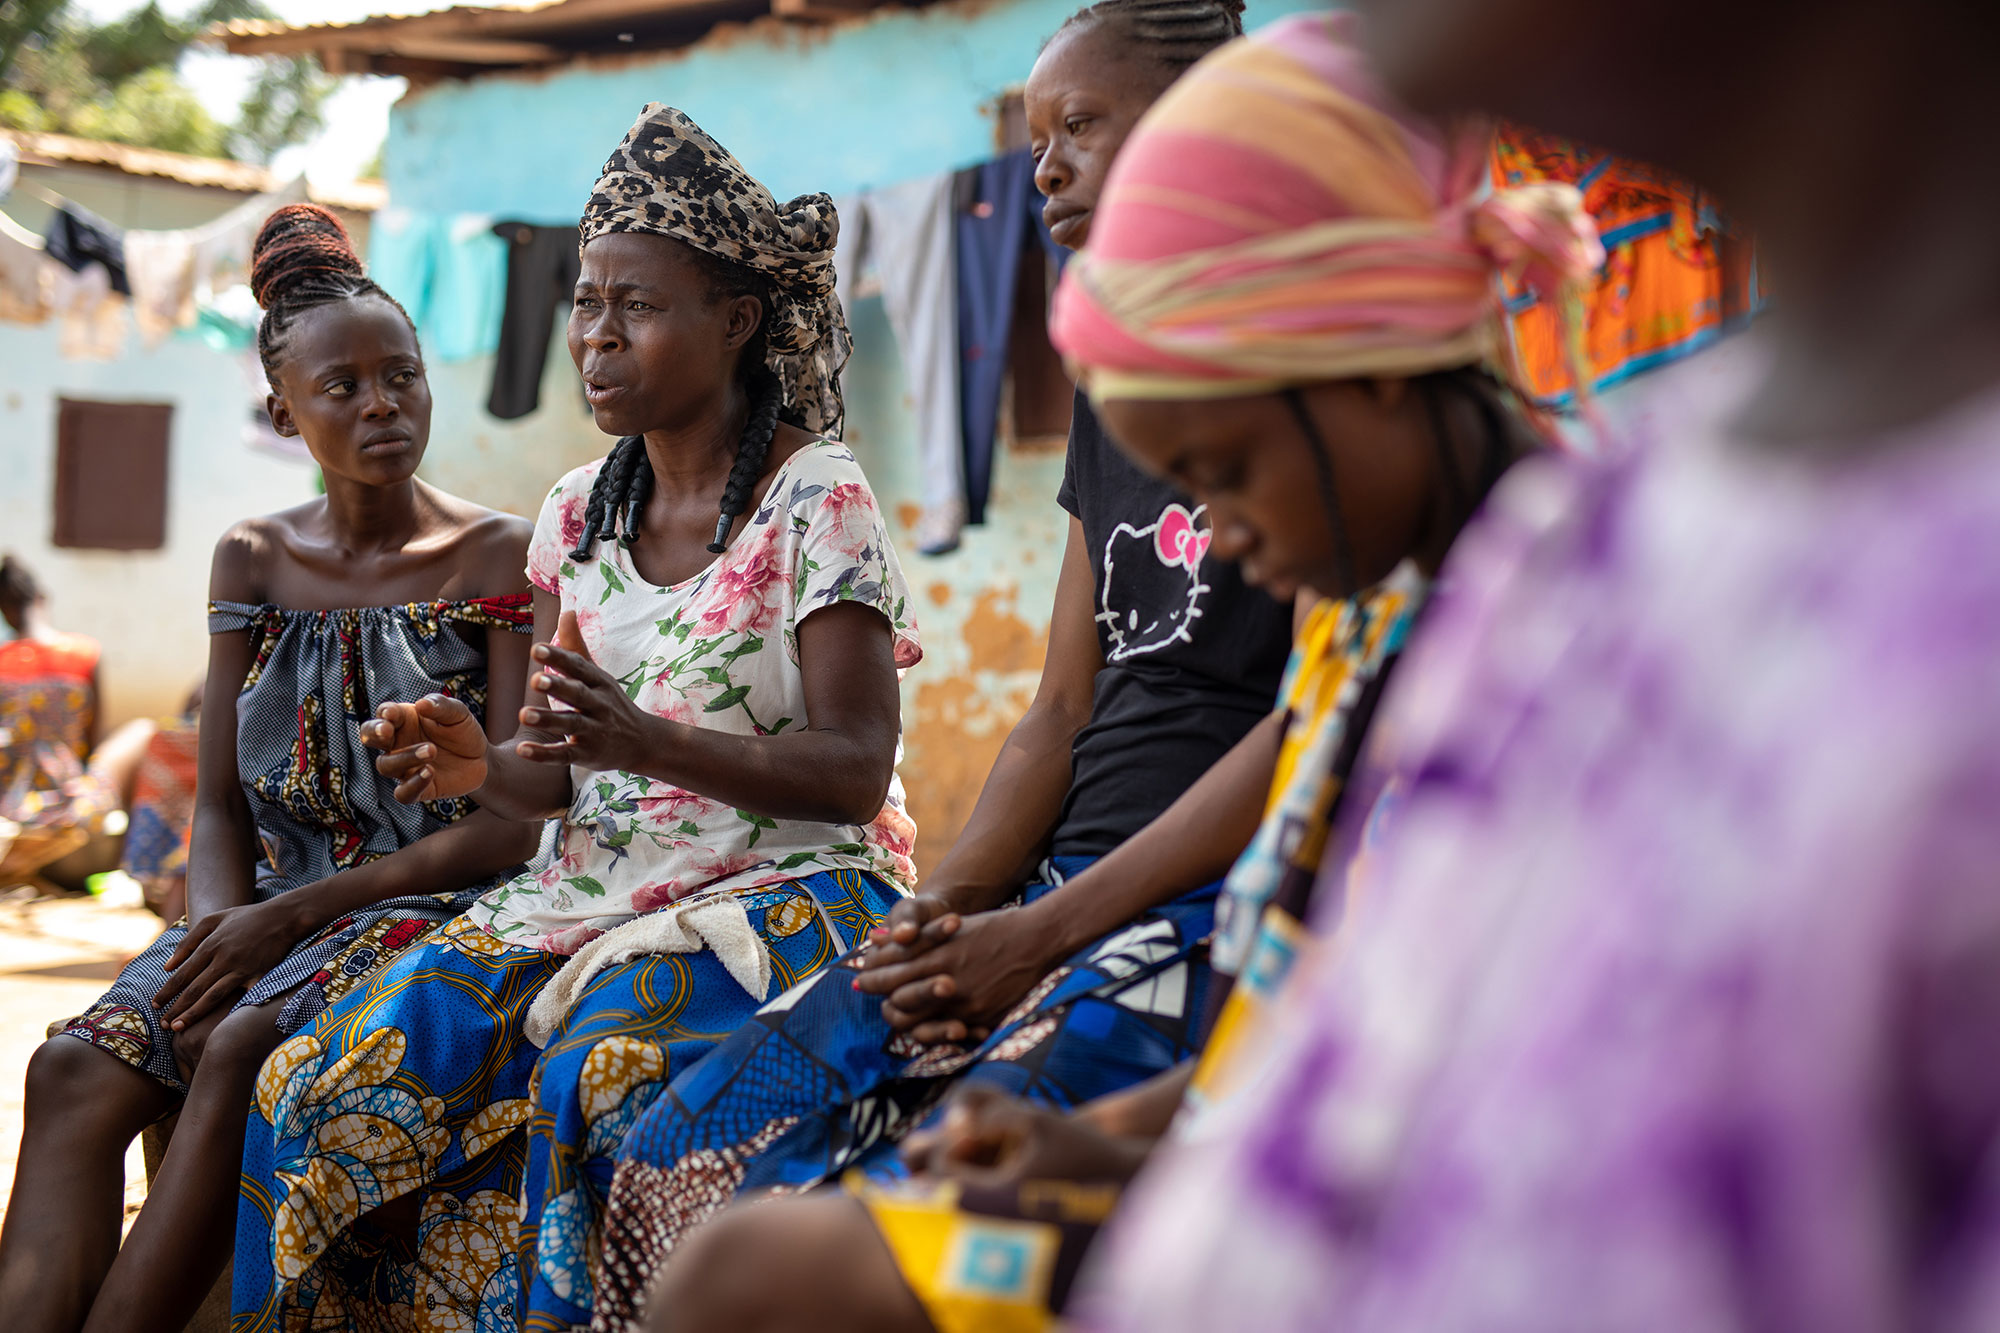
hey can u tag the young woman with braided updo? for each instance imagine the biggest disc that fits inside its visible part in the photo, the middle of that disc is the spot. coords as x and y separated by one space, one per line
714 720
305 873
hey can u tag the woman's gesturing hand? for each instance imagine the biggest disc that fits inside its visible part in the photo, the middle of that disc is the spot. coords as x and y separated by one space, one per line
433 748
603 728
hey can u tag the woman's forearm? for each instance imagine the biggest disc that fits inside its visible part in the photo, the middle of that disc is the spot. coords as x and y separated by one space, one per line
1015 819
1194 842
476 848
222 859
824 776
521 789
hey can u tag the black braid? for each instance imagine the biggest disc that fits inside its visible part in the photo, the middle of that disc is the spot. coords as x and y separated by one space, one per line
618 496
609 494
1176 33
767 397
1329 492
303 259
1500 443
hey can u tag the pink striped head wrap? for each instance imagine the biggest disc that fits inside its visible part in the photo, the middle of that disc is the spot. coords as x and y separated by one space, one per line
1276 220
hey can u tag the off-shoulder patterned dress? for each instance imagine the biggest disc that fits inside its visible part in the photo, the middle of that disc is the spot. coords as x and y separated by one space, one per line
318 804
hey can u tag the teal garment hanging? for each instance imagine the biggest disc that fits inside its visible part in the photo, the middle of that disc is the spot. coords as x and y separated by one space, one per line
448 271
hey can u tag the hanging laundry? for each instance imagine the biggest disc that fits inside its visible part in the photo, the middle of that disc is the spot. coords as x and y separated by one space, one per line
92 315
1676 275
542 267
999 208
227 321
21 260
402 257
468 288
449 273
77 238
222 247
902 235
259 435
171 273
160 267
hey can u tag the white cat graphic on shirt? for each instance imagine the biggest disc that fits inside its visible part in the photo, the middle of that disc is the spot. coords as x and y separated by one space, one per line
1177 541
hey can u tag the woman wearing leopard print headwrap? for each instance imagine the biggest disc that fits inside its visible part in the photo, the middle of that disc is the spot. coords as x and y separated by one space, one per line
713 718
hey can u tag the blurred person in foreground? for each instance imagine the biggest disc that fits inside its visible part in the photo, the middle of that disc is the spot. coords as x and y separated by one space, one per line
1290 312
1669 1001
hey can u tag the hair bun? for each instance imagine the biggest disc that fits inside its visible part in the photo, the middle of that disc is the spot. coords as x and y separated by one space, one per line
297 243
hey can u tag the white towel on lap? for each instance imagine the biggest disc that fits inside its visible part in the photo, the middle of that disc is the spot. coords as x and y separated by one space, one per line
716 922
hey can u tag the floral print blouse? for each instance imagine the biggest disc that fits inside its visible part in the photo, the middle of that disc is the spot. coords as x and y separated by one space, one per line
719 650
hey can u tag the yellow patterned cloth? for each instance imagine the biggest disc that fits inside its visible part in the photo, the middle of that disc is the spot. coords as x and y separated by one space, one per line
988 1261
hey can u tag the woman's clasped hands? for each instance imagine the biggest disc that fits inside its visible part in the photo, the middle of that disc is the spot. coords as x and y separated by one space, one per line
946 976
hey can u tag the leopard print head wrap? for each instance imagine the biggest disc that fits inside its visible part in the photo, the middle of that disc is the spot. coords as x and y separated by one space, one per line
670 178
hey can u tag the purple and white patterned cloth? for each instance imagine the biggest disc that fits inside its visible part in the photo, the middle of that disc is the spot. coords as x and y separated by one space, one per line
1671 999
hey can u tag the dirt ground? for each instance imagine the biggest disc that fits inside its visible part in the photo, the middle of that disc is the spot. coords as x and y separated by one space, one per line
56 956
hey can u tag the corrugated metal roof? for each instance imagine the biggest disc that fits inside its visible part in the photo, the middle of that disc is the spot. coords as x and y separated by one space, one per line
472 39
276 28
210 172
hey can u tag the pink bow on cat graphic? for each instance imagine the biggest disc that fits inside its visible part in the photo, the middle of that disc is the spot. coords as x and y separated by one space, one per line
1179 541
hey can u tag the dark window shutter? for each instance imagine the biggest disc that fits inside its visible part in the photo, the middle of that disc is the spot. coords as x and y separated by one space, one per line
111 475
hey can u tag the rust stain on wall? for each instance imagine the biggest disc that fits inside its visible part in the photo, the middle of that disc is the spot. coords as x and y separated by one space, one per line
939 593
998 639
909 514
960 721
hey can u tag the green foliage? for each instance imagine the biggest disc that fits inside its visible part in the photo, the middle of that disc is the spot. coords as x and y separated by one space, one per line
23 23
155 109
117 81
286 105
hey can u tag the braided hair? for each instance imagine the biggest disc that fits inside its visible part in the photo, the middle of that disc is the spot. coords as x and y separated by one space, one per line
304 259
1499 445
624 484
1175 33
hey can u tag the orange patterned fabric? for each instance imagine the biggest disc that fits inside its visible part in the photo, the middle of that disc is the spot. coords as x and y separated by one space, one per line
69 657
1675 277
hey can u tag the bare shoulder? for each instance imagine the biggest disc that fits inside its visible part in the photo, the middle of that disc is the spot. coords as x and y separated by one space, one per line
491 546
249 553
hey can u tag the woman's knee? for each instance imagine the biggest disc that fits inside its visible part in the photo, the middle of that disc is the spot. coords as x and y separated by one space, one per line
70 1079
839 1274
239 1044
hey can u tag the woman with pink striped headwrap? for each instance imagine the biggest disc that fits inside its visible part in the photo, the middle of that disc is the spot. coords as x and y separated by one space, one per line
1288 269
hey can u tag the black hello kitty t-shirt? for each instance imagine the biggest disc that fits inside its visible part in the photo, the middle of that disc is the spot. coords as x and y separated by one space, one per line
1192 656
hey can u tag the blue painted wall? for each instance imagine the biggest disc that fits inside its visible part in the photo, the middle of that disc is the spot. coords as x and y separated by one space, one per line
904 93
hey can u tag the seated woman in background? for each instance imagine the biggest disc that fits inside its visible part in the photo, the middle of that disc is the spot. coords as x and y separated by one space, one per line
50 801
305 874
161 811
717 724
1341 428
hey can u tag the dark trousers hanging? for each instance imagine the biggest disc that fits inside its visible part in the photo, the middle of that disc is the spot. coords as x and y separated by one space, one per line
542 267
999 209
